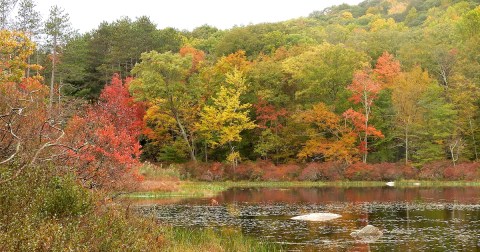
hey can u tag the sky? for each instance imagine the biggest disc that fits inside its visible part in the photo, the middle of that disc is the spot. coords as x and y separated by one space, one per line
86 15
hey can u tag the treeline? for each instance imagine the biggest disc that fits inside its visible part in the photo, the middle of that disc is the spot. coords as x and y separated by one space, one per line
382 81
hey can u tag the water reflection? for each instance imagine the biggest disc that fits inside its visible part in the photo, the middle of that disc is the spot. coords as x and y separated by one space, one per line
412 219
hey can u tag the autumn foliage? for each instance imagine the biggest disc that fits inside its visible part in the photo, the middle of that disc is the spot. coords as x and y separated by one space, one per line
106 138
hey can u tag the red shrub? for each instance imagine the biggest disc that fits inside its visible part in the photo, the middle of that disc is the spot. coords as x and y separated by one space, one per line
213 172
203 171
361 171
464 171
247 171
409 172
434 170
283 172
322 171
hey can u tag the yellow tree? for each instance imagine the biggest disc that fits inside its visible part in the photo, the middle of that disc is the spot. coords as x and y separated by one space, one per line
15 48
222 122
407 92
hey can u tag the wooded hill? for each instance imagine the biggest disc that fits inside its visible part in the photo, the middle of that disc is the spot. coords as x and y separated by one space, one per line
381 81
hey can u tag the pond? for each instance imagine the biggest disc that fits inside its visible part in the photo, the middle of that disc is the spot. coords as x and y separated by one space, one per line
411 219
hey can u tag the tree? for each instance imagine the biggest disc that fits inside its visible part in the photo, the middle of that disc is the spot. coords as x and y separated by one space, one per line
407 93
58 29
324 72
162 81
107 138
16 48
387 69
269 119
329 138
364 91
6 6
222 122
27 136
28 21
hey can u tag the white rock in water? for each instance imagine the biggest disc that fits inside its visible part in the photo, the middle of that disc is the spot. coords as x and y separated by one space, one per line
391 183
317 217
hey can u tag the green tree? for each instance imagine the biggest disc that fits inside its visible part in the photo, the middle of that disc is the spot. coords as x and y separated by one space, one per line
161 80
28 20
58 30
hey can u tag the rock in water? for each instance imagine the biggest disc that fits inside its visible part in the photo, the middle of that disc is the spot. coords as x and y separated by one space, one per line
317 217
367 234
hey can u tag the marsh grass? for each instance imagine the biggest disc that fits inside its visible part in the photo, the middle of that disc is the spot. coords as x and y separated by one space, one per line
225 239
189 189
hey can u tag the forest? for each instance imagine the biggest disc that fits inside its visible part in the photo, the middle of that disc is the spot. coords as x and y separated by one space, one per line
382 90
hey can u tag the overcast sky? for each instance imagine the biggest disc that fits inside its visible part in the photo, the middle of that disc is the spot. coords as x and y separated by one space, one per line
86 15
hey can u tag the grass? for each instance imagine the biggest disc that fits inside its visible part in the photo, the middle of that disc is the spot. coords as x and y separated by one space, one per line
190 189
224 239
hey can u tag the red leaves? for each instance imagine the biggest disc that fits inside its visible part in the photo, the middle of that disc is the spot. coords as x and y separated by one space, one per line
107 137
358 121
268 116
364 88
364 91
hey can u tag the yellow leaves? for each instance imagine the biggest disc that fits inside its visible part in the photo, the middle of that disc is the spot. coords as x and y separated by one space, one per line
15 48
224 120
385 24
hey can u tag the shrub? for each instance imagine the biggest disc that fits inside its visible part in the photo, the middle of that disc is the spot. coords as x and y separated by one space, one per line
409 172
63 197
434 170
463 171
322 171
361 171
283 172
248 171
213 172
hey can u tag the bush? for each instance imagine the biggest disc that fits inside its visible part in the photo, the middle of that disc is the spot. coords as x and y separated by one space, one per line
434 170
362 171
283 172
331 171
463 171
248 171
214 172
63 197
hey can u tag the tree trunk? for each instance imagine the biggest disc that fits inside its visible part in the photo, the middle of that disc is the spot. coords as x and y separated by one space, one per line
52 80
473 139
185 137
367 113
406 144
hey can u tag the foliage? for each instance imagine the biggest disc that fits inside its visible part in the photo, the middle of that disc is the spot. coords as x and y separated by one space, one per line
16 47
329 139
106 143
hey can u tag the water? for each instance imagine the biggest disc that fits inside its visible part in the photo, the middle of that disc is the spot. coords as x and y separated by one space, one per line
412 219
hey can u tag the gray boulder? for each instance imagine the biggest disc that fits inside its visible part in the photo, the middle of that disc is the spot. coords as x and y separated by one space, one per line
367 234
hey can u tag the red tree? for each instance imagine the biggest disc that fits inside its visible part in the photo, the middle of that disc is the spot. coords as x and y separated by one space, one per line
387 69
107 138
364 91
268 116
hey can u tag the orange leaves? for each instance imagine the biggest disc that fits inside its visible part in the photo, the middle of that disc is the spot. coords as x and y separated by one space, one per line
328 137
197 56
387 69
